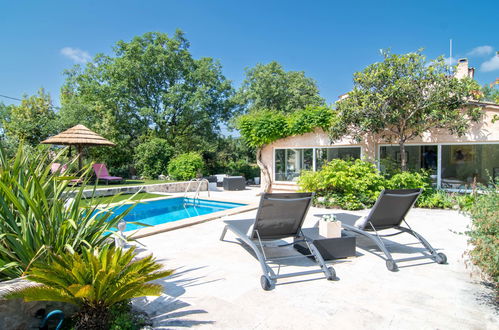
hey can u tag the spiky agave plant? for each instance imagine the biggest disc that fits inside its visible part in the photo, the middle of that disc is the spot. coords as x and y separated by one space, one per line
94 281
41 212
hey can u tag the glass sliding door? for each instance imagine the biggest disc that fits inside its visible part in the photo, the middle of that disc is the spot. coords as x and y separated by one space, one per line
324 155
418 158
290 162
466 164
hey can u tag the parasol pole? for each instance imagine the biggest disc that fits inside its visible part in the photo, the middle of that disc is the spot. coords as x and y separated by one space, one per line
80 155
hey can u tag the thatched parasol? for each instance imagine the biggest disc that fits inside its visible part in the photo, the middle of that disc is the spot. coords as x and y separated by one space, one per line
78 136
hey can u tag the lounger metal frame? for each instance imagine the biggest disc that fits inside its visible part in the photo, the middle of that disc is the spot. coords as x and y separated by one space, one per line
270 277
391 263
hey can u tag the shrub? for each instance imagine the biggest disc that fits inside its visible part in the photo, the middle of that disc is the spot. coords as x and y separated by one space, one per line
94 281
242 167
435 199
152 157
38 214
186 166
484 234
409 180
430 197
345 183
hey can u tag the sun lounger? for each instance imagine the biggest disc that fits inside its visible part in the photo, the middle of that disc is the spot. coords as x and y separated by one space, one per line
59 169
389 212
279 216
102 173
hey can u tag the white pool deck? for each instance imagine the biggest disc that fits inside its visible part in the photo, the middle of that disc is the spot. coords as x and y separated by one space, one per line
216 284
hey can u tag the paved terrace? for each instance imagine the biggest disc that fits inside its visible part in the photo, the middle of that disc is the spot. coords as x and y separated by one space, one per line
217 284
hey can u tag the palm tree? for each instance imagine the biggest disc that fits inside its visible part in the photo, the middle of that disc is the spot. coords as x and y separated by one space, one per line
94 281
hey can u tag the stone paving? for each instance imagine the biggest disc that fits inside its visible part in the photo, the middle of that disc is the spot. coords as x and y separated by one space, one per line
217 284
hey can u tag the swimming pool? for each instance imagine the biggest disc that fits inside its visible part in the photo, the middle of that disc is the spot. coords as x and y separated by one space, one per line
168 210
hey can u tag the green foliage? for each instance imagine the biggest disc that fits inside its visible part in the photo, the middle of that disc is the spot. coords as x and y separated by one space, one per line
484 234
402 97
490 93
152 157
33 120
430 197
266 126
228 151
409 180
123 317
38 214
354 185
345 183
150 86
242 167
186 166
270 87
94 280
435 199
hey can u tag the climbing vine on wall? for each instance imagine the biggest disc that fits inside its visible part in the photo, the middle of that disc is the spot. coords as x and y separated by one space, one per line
266 126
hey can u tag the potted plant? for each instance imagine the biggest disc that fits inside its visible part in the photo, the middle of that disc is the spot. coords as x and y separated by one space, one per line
329 226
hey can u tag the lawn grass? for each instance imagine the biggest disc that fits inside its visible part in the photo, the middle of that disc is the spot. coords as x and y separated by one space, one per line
116 199
129 182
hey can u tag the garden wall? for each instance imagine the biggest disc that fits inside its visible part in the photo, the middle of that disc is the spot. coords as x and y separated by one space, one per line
169 187
15 314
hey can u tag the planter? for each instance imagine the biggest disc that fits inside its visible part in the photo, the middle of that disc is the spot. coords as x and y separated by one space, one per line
257 180
330 229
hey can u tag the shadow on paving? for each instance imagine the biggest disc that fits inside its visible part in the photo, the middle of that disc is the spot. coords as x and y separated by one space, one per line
169 310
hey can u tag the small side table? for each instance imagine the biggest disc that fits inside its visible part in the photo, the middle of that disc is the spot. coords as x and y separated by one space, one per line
329 248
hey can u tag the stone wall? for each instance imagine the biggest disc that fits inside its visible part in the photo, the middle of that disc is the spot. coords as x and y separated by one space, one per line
15 314
169 187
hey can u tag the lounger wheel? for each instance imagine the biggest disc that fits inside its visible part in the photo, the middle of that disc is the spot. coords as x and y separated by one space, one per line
391 265
440 258
333 274
266 283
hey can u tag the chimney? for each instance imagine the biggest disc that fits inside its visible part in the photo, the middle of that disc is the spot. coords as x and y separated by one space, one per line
463 71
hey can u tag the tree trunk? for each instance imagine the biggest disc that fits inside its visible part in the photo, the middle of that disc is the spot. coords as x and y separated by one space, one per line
403 157
264 169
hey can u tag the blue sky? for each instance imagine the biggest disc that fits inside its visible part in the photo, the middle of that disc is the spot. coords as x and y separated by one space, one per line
329 40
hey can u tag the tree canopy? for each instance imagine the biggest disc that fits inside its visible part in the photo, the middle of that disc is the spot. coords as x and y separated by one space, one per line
404 96
151 84
270 87
32 121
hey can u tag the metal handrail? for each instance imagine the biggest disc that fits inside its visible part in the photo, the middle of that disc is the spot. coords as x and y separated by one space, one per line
198 189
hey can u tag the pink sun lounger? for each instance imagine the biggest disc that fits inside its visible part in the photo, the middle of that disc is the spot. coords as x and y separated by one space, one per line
102 174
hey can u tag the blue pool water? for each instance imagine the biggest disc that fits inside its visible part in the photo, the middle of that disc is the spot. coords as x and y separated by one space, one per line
169 210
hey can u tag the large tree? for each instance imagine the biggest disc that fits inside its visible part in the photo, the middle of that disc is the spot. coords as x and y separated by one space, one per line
270 87
33 120
404 96
151 83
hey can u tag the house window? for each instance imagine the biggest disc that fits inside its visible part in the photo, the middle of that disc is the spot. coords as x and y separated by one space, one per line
324 155
290 162
465 164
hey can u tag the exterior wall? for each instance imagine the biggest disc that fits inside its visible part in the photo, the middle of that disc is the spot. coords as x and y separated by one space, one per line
484 131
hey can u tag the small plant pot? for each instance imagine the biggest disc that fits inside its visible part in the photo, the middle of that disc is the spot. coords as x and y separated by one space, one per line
330 229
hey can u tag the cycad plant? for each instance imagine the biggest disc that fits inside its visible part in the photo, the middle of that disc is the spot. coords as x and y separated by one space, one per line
40 212
94 281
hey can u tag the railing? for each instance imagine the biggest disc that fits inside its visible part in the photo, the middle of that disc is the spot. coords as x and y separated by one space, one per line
198 189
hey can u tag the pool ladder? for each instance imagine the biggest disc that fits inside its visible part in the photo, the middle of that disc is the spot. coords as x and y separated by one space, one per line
198 189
